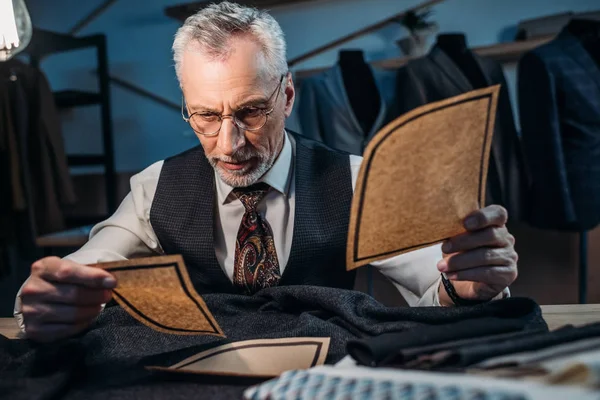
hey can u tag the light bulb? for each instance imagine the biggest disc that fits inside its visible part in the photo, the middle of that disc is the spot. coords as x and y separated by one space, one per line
15 28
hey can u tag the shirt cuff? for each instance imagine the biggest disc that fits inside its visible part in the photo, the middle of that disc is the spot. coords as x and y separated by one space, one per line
502 295
431 297
18 307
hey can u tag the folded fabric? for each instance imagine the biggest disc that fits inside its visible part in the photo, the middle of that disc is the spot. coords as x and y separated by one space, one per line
388 348
396 348
469 355
328 382
38 372
537 356
410 357
117 348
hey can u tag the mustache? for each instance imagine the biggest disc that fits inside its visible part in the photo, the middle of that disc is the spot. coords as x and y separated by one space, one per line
240 156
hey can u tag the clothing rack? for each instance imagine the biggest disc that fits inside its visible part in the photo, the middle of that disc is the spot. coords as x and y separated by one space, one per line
502 52
45 43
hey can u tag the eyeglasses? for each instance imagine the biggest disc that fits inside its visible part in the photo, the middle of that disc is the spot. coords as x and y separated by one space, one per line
252 118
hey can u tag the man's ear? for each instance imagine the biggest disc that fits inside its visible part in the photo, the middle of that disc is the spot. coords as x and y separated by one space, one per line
290 94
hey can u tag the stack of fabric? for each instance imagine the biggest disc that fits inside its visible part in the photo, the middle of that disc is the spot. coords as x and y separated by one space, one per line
110 359
487 343
485 358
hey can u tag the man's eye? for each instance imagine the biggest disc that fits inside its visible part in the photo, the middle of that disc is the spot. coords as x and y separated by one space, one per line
250 112
208 117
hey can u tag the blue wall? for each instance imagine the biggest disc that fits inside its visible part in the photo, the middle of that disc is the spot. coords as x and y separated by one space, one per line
140 37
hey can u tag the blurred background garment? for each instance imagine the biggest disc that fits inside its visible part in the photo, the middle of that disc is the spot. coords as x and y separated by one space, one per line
347 104
559 105
32 151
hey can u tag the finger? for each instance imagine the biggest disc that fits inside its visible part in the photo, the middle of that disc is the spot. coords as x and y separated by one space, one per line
37 290
489 216
65 271
45 333
488 237
478 258
59 313
498 275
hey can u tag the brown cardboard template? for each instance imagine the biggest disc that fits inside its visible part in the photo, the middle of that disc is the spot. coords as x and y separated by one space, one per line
157 291
259 358
421 175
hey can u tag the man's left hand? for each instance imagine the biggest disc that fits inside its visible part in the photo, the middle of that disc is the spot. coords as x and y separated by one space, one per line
482 262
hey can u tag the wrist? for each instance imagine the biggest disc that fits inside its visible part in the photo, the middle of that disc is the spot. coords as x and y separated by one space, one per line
449 296
444 299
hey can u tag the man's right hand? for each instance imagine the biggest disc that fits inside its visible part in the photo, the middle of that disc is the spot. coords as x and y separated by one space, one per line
62 298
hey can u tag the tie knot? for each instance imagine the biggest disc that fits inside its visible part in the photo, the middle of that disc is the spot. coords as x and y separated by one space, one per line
252 195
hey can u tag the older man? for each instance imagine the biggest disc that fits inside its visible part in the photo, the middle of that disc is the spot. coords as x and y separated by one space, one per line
254 206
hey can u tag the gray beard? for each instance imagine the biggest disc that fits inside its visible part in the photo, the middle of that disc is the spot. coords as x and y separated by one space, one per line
243 178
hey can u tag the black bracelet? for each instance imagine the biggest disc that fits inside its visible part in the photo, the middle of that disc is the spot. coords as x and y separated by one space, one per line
456 299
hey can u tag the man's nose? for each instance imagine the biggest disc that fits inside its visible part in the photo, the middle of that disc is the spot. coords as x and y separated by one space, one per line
231 138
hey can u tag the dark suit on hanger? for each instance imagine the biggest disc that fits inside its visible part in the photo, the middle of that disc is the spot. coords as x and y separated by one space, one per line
31 123
436 77
325 113
559 105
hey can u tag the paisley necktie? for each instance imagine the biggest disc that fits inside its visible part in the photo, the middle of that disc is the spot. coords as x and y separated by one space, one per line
255 263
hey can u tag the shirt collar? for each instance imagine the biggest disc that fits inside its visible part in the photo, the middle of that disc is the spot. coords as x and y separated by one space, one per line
278 176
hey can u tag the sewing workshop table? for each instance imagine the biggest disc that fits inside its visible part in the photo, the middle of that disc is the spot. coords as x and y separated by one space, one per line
555 316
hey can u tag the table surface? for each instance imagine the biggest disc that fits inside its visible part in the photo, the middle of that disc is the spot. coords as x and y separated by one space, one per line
555 316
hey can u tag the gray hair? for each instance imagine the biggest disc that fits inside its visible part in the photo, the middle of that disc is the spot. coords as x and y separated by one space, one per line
214 26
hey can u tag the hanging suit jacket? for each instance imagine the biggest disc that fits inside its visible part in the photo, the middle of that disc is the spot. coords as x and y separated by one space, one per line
325 113
559 106
436 77
12 192
30 134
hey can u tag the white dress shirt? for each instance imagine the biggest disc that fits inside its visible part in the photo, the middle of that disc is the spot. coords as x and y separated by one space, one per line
128 232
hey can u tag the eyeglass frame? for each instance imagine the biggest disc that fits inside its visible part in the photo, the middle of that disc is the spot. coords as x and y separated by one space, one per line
232 115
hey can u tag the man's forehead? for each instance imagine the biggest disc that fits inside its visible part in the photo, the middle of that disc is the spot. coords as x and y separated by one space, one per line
244 62
216 94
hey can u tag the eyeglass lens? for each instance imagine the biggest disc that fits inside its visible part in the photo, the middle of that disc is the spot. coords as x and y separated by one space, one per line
248 119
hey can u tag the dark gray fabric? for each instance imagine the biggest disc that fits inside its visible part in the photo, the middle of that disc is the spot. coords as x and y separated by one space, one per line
117 347
559 105
469 355
182 215
410 357
389 348
30 372
538 356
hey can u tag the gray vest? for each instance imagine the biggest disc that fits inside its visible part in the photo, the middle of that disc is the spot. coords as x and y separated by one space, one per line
184 205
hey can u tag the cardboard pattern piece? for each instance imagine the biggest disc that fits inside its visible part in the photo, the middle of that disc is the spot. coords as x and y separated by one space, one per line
157 291
259 358
421 175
